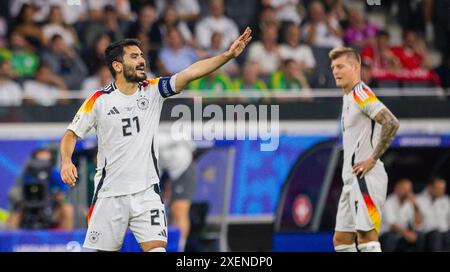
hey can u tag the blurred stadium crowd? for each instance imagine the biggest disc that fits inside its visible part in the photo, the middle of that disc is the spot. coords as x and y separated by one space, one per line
52 48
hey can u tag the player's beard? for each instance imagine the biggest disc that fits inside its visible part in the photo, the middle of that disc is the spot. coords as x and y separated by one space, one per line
131 74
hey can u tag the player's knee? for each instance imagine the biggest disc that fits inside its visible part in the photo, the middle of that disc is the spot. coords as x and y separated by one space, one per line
367 236
343 239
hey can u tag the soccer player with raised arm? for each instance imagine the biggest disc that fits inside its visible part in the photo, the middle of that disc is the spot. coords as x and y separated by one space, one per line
368 128
126 116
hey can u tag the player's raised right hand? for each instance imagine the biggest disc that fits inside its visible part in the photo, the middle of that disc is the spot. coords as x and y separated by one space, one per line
69 173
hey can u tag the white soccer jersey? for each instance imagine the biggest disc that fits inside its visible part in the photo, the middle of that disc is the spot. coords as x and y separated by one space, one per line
359 129
126 129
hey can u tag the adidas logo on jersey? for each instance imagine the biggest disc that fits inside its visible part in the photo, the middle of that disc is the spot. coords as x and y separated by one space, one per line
113 111
163 233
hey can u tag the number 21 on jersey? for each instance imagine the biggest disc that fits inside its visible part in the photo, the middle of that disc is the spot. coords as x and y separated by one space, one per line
128 125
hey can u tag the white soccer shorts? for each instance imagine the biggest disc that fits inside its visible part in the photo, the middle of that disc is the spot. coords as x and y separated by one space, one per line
361 203
142 212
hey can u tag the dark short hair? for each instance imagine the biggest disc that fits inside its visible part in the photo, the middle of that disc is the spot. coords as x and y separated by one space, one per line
288 61
382 33
55 37
435 178
403 180
109 8
409 31
39 150
115 51
42 65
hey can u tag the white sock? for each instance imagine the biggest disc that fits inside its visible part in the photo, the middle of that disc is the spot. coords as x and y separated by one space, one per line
157 249
346 248
370 247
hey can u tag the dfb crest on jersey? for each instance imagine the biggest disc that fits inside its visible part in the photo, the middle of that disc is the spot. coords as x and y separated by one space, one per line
142 103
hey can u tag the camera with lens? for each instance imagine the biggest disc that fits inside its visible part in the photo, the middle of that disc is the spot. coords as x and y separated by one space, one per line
36 206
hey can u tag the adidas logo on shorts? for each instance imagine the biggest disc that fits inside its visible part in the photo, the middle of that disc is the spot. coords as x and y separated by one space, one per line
163 233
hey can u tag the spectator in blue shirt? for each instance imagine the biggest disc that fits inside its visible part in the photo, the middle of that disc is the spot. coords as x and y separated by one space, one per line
175 56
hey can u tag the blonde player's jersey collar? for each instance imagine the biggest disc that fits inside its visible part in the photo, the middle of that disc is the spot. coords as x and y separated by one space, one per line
357 85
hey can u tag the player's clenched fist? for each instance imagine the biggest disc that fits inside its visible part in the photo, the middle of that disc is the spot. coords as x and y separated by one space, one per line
69 173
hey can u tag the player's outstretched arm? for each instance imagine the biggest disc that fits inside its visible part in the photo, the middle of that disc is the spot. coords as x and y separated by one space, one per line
206 66
389 126
68 170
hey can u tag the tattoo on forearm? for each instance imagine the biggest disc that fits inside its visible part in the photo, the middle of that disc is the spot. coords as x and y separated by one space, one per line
389 127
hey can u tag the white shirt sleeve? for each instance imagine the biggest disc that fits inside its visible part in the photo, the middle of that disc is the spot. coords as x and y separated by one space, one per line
86 118
367 101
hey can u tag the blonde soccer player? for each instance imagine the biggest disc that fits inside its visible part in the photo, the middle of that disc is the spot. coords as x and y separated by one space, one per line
368 128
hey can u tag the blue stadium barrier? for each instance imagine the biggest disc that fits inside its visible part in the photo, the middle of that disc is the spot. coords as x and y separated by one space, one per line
67 241
303 242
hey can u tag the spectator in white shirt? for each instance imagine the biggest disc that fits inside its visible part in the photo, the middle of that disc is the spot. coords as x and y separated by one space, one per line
287 10
96 8
434 204
56 25
231 68
267 16
322 30
65 62
73 10
46 89
188 10
292 49
216 21
170 19
3 32
41 8
401 219
266 52
101 78
10 91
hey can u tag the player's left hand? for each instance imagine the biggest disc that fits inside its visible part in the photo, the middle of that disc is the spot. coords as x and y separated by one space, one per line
239 45
362 168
